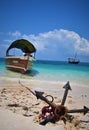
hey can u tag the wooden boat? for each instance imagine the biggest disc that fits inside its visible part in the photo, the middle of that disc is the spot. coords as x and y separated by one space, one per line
74 60
24 62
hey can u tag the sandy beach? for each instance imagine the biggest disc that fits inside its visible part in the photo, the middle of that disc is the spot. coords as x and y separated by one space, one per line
19 109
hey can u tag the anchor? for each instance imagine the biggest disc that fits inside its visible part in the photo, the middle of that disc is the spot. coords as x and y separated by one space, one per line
67 87
52 112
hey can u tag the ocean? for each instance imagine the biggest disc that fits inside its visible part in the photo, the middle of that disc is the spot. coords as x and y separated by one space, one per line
52 71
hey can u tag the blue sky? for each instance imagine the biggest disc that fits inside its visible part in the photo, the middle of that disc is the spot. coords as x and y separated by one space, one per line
57 28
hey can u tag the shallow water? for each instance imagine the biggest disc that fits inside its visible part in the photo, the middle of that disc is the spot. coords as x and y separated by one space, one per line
52 71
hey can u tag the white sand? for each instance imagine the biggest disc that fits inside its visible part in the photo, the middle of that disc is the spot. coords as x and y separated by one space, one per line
12 118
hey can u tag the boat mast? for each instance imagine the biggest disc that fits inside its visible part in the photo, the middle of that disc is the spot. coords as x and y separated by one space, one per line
75 55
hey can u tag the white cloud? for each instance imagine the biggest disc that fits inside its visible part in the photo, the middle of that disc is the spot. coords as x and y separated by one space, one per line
15 34
60 39
56 44
8 41
82 46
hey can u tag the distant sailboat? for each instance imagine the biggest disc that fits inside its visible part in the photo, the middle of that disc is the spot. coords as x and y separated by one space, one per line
74 60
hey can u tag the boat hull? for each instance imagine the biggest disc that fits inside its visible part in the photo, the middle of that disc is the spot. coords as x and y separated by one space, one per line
20 64
73 62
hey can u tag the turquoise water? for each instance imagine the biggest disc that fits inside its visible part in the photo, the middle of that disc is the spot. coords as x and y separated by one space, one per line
54 71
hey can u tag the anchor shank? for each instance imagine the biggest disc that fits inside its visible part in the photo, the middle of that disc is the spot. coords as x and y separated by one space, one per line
67 88
64 97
